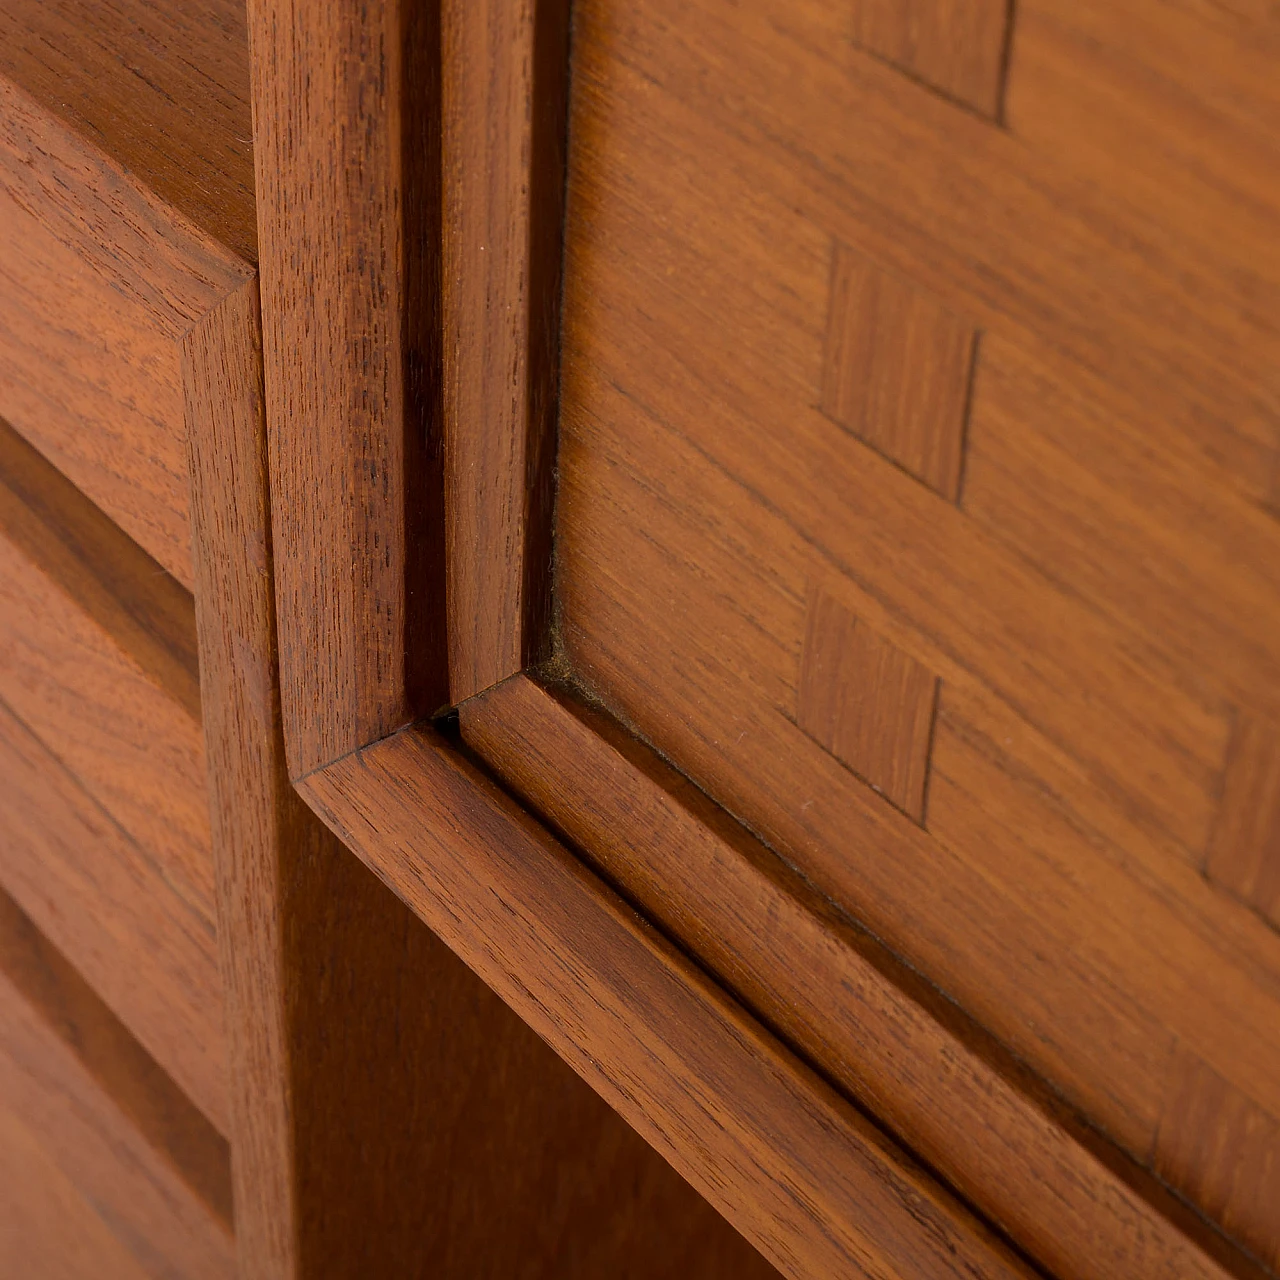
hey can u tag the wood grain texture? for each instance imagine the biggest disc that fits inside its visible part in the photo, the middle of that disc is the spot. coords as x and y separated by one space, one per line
101 278
110 578
1244 855
178 1133
1223 1151
148 952
249 795
142 1158
387 1108
162 89
346 110
896 370
955 46
829 989
47 1228
869 704
1098 604
70 671
505 74
800 1173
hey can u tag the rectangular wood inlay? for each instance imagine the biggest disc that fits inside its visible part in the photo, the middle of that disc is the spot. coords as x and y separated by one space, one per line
955 46
1244 855
896 370
867 702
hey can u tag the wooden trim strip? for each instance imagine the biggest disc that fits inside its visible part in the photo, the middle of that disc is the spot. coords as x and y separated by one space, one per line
347 141
505 105
801 1173
890 1041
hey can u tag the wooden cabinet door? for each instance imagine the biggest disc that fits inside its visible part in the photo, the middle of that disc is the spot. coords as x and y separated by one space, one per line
776 522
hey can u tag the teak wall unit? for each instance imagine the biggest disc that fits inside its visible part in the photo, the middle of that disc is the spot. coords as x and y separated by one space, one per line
640 640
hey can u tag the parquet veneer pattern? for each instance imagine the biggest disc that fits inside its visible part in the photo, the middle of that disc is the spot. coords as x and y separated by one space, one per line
1099 602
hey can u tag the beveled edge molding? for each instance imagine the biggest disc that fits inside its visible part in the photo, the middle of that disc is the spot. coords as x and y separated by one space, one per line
805 1175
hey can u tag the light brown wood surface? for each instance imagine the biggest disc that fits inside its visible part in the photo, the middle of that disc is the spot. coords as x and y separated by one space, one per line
350 290
1101 604
957 47
504 101
833 992
896 369
140 1172
803 1175
126 213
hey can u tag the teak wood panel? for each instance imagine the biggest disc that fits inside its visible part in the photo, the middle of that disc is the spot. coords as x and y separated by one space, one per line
1100 605
808 1179
832 991
161 88
148 1171
101 278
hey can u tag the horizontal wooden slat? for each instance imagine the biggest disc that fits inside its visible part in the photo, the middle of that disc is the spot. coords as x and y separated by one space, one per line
163 89
99 279
147 1164
97 657
147 950
816 1187
833 991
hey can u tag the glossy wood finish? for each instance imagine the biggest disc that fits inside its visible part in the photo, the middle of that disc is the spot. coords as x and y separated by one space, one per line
348 209
505 70
126 214
803 1175
832 991
139 1172
1099 607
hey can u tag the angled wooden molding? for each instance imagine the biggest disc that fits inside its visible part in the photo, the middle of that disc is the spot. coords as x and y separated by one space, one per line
802 1174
